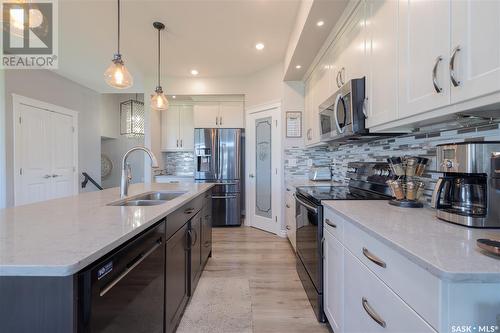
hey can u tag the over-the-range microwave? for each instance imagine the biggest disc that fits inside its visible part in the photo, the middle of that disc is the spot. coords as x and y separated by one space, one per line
342 116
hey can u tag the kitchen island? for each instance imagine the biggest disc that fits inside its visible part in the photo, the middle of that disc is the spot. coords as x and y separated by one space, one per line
46 247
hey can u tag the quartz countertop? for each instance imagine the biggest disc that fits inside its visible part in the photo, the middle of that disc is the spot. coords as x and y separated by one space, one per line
60 237
446 250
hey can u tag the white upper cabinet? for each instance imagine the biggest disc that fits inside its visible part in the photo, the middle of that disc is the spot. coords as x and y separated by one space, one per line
231 115
382 55
206 115
186 127
424 47
219 114
475 42
353 56
177 129
313 99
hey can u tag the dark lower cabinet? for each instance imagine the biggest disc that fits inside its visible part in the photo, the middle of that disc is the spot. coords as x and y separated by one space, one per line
206 230
176 277
195 251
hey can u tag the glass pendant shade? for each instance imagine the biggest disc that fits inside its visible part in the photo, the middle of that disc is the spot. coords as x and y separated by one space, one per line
159 101
117 75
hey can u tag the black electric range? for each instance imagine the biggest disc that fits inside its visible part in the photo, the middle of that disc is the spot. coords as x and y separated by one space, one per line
367 181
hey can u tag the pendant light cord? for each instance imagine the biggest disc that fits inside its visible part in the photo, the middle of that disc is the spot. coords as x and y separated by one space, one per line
158 57
118 26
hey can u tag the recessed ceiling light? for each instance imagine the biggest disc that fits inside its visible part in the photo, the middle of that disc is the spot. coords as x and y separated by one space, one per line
298 67
173 96
320 23
194 72
259 46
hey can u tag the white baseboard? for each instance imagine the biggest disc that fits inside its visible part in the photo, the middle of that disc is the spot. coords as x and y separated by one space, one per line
282 233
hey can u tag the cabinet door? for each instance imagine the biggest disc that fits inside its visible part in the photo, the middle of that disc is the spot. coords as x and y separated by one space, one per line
333 289
424 38
206 229
474 29
176 278
195 251
313 134
231 115
322 86
186 127
353 64
382 54
206 115
170 128
291 227
307 113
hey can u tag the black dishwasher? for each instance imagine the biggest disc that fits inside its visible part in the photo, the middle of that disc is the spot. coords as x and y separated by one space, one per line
124 292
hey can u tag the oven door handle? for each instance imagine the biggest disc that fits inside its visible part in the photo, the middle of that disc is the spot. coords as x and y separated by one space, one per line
308 206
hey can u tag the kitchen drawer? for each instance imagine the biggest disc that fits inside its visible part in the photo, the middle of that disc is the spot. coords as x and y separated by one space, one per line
181 216
333 223
416 286
367 299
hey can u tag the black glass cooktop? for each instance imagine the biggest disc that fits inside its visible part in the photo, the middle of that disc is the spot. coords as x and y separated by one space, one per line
318 193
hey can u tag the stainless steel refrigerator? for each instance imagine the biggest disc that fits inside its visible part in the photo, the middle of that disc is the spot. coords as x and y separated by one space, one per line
219 158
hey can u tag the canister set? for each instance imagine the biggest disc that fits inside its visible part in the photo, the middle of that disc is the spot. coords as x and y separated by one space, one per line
407 188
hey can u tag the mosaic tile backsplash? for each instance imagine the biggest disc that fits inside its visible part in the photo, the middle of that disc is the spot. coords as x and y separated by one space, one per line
299 160
178 163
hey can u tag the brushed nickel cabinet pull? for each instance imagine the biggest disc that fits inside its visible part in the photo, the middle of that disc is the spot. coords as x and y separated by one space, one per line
373 258
330 223
434 75
454 80
374 315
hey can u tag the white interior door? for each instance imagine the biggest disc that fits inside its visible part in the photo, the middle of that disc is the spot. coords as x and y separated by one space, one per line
33 152
62 149
264 170
45 154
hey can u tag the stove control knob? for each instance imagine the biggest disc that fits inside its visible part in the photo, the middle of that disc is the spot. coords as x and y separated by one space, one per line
448 164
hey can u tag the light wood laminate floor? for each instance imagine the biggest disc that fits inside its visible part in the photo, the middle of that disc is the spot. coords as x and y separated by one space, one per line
279 302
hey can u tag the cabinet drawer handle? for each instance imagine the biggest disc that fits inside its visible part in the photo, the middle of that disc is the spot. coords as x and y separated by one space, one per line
330 223
454 80
374 315
373 258
434 75
189 211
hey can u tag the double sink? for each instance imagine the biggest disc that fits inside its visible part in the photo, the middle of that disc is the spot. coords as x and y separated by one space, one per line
149 199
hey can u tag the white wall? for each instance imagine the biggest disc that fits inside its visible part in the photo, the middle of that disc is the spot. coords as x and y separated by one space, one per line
49 87
3 176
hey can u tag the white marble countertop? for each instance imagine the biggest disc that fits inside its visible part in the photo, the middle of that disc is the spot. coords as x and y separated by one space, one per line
447 250
60 237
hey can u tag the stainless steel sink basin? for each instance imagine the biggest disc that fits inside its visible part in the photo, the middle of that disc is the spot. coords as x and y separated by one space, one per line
139 203
160 196
148 199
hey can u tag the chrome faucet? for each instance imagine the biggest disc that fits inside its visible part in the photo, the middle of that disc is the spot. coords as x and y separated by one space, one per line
127 172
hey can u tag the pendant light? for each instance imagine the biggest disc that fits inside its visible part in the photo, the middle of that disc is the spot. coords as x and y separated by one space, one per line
159 101
117 75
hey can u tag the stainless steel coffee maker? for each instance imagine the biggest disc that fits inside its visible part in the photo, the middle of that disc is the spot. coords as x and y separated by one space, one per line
469 191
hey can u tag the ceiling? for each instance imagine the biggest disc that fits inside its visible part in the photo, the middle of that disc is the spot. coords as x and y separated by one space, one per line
217 38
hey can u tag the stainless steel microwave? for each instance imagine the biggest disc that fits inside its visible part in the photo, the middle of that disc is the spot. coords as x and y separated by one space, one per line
342 115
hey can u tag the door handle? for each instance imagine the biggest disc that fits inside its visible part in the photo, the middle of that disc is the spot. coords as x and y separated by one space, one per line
251 175
373 258
454 80
434 75
224 196
189 211
129 269
374 315
327 221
